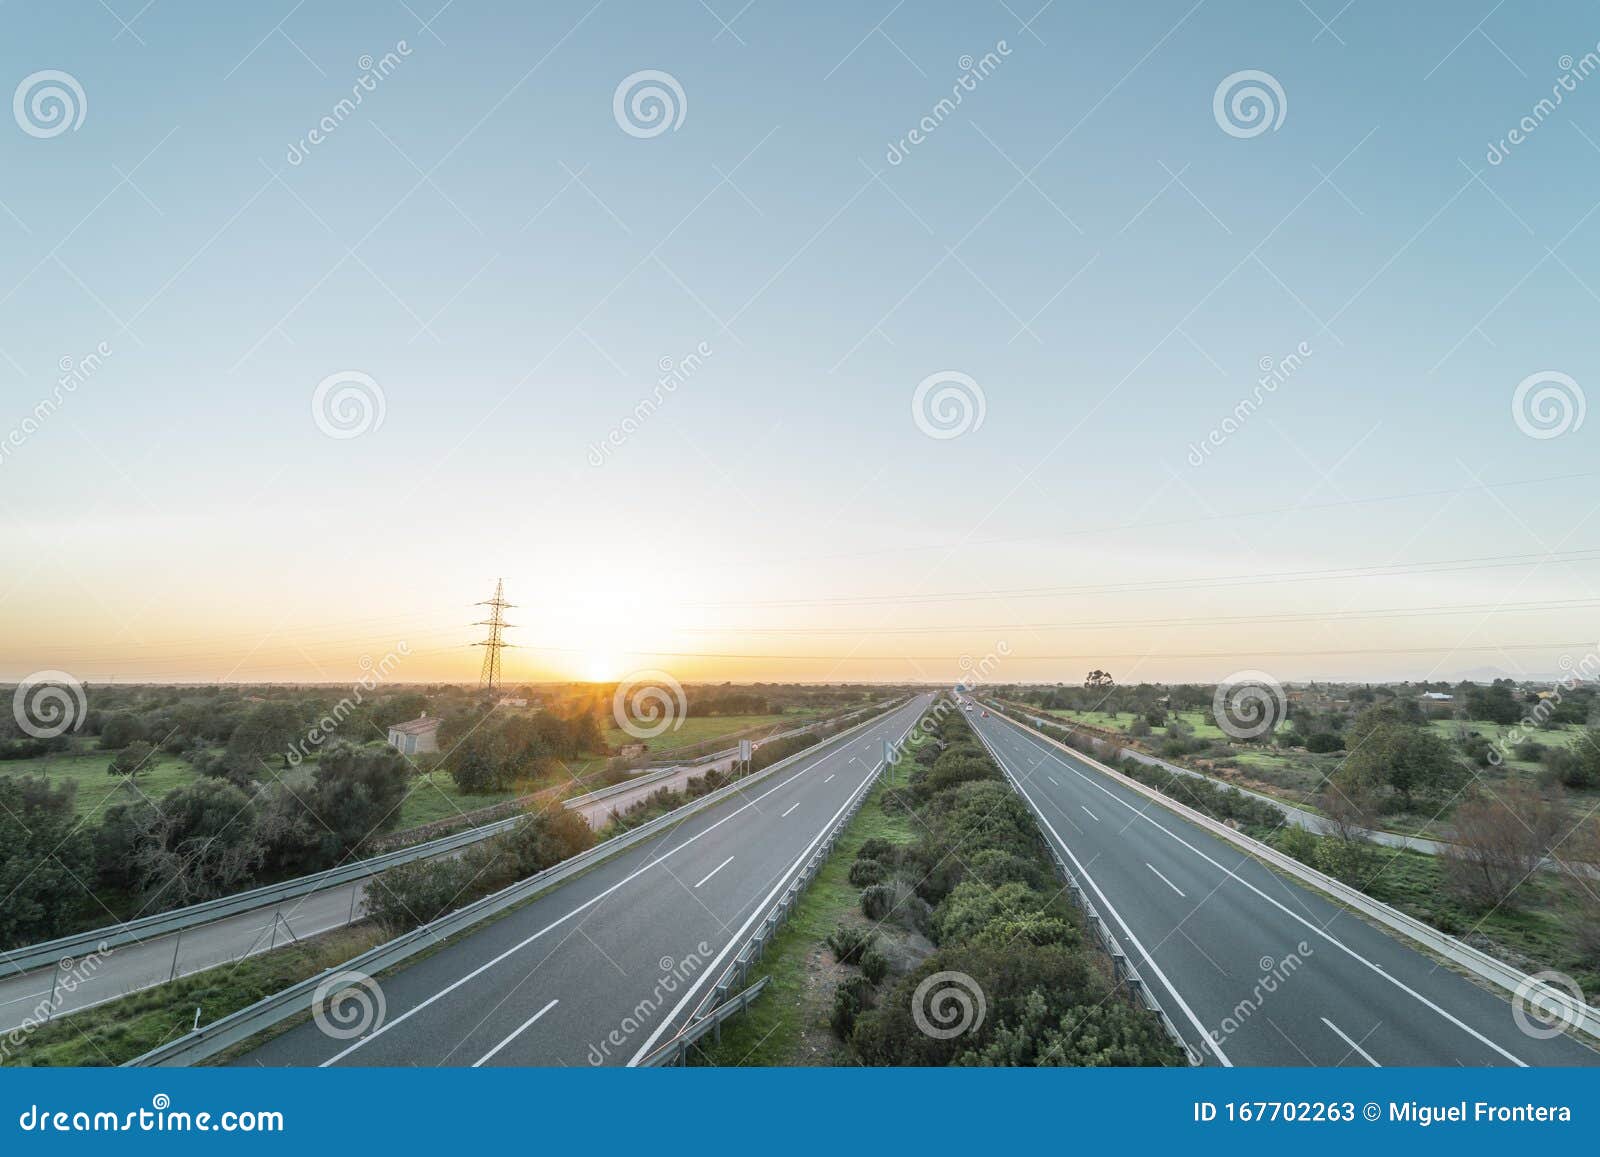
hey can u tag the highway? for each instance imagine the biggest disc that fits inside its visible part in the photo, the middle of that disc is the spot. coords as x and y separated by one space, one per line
603 968
1253 968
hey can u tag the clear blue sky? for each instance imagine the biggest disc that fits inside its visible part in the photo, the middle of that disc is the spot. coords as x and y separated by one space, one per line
1080 237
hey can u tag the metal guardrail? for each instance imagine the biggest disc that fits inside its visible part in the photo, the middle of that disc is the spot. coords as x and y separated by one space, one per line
627 785
209 1040
1122 969
676 1051
1574 1012
708 1015
48 953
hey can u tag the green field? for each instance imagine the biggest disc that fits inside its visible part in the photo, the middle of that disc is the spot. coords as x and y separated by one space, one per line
86 767
702 728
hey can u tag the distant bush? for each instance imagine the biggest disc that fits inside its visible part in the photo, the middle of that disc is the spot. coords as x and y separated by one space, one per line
874 965
1323 742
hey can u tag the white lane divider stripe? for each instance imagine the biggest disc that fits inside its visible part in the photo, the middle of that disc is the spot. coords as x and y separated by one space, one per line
518 1031
1164 880
792 806
830 778
1351 1043
715 870
1090 814
1293 915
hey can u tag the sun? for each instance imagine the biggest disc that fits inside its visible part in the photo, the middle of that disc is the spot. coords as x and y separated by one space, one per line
599 667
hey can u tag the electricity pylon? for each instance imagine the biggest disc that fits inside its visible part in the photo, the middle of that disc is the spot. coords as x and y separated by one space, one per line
490 678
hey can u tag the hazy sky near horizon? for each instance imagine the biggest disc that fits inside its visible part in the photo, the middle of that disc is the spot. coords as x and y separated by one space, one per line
1080 236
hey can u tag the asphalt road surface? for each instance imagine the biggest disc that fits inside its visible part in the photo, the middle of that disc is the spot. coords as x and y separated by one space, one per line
1208 927
603 968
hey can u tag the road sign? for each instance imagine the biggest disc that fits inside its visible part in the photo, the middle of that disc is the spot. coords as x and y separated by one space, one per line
744 751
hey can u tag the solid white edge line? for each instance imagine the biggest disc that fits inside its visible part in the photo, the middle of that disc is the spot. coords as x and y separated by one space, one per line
589 903
1163 879
514 1034
711 970
715 870
1329 937
1106 904
1350 1042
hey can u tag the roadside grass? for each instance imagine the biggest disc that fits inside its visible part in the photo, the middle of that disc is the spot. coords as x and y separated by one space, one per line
1536 933
121 1029
702 728
774 1029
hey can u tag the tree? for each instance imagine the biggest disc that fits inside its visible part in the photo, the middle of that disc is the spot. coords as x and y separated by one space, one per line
1494 703
117 731
1098 680
270 729
1387 752
133 760
44 852
1498 842
357 793
200 843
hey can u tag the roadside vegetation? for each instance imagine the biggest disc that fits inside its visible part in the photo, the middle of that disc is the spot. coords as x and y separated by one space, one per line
956 909
120 1030
159 797
1493 885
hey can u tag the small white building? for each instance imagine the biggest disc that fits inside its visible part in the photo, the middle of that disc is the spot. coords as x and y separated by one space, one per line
1437 697
415 736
